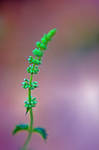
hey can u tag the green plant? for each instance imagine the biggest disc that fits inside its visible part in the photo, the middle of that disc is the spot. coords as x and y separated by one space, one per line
32 69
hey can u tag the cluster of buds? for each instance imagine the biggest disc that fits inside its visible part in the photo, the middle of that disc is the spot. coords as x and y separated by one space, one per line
33 69
26 85
38 52
34 85
34 62
45 39
30 104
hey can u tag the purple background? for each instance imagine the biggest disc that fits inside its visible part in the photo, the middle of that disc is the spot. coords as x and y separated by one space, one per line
68 92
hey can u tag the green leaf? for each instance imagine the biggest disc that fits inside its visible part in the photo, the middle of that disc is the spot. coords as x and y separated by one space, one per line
41 131
20 127
27 110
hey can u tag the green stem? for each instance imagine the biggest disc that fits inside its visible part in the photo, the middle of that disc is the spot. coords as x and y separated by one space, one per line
30 131
27 141
29 89
31 119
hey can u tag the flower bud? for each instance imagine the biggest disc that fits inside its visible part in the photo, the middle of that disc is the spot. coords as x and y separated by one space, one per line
34 98
51 33
25 85
42 46
30 59
36 62
38 44
37 52
30 69
35 82
36 70
26 80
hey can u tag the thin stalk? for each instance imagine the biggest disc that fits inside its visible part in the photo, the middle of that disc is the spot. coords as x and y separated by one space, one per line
31 118
27 141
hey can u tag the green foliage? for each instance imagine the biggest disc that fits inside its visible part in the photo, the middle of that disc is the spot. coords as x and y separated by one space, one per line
20 127
41 131
33 69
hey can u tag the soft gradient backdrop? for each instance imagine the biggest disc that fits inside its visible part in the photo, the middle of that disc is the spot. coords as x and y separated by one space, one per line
68 92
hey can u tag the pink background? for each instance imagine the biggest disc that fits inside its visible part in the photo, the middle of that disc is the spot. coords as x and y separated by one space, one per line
68 92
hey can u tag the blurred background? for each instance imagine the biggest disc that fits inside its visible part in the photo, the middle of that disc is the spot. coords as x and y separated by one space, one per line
68 92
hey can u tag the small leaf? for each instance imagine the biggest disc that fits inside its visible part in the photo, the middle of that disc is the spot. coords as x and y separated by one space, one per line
27 110
20 127
41 131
